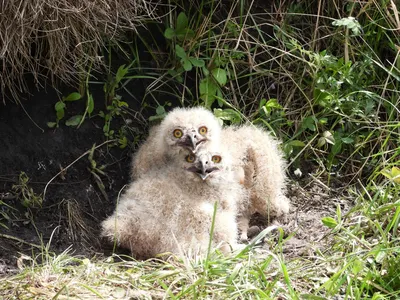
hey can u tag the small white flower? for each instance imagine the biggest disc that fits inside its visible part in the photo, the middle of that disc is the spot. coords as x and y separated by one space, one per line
298 172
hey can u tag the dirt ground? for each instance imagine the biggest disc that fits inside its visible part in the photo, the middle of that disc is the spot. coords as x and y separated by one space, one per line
74 205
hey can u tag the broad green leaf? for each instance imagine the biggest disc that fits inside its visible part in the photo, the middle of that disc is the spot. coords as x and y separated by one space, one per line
309 123
207 87
197 62
59 106
297 143
187 65
60 114
160 110
123 104
180 52
349 22
121 73
273 103
51 124
157 117
73 97
288 149
181 22
329 222
185 34
208 90
380 256
396 174
347 140
169 33
228 115
74 120
220 76
357 266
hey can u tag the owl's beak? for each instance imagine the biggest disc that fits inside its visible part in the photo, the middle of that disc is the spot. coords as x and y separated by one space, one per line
192 141
203 170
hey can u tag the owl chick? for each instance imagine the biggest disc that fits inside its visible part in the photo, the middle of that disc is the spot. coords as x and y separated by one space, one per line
170 209
259 166
182 128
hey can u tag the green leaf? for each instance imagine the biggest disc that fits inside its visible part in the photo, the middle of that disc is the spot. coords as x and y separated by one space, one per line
273 103
297 143
180 52
182 35
74 120
160 110
228 115
197 62
73 97
181 22
329 222
90 104
208 90
187 65
220 76
357 266
59 106
51 124
349 22
347 140
121 73
154 118
380 256
309 123
169 33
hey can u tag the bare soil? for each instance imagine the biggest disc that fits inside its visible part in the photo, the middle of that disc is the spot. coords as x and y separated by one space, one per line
74 205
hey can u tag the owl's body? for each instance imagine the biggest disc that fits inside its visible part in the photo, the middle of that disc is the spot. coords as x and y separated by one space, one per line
195 126
259 165
170 209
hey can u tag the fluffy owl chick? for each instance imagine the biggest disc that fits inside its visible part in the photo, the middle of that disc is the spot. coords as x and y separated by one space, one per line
182 128
170 209
259 165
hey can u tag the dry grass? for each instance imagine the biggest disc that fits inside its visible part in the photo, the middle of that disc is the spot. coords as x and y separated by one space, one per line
61 39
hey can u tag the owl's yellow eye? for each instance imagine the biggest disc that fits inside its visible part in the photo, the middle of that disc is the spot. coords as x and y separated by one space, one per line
216 159
190 158
203 130
178 133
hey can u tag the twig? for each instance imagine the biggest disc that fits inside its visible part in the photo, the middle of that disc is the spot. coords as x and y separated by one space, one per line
67 167
10 237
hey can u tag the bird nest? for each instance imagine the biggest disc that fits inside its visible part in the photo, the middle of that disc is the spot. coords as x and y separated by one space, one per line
60 39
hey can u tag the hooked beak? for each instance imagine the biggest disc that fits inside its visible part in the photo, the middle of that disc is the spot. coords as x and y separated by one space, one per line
202 170
191 141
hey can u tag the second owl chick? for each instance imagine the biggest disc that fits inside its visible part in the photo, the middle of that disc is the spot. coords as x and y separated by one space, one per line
171 209
259 165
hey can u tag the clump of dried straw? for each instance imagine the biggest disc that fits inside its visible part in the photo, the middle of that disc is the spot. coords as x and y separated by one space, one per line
59 39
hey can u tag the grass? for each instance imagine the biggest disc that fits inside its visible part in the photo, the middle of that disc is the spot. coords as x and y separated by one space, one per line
61 40
321 75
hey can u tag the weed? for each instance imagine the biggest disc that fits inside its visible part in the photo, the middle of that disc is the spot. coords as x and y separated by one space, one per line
96 170
60 107
25 194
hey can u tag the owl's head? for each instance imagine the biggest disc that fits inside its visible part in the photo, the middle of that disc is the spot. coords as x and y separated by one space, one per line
206 164
189 128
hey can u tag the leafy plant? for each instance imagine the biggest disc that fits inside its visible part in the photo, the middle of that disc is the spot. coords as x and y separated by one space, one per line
96 171
116 109
25 194
60 107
